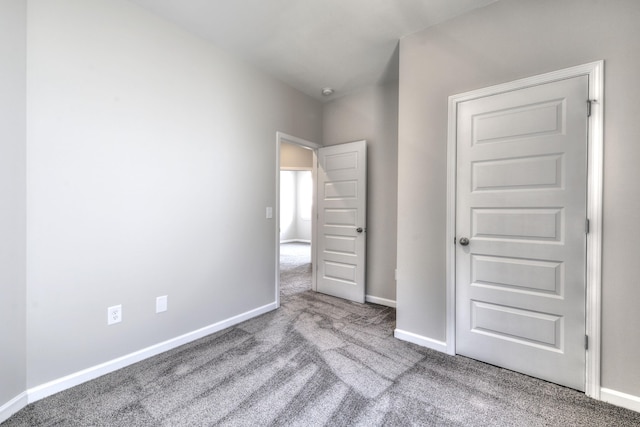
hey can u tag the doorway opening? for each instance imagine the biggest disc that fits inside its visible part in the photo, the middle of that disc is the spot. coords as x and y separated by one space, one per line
295 215
296 195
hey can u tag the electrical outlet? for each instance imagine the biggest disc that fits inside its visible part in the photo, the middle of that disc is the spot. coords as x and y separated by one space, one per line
114 314
161 304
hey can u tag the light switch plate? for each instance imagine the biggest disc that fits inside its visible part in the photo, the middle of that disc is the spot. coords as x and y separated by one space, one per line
269 212
161 304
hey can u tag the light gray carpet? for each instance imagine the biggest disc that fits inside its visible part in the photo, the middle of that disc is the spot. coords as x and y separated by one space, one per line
295 268
316 361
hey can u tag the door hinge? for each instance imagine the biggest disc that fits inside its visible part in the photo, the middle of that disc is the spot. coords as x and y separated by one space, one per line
586 342
587 226
590 103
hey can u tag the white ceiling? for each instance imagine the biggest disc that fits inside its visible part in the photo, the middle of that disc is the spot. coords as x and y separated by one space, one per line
310 44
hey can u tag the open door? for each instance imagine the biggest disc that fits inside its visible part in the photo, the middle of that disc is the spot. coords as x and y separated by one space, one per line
341 207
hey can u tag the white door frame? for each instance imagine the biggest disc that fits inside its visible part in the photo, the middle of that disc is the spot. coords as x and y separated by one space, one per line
595 151
283 137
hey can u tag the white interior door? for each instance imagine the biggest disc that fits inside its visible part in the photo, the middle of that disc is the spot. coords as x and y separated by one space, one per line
521 203
341 207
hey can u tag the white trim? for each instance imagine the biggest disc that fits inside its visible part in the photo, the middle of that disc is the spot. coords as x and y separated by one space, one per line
380 301
295 241
13 406
60 384
594 71
420 340
276 224
594 238
450 270
314 223
283 137
623 400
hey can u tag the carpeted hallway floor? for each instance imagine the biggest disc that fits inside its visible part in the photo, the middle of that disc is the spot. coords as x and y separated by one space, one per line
295 268
316 361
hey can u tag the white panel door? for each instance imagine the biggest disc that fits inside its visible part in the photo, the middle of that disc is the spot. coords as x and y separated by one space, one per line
521 203
342 201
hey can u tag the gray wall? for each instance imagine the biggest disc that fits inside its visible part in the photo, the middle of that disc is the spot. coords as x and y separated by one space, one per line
294 157
500 43
296 190
372 114
12 198
136 133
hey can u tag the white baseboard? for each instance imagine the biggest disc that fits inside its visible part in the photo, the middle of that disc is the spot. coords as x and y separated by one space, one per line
13 406
295 241
617 398
55 386
380 301
420 340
